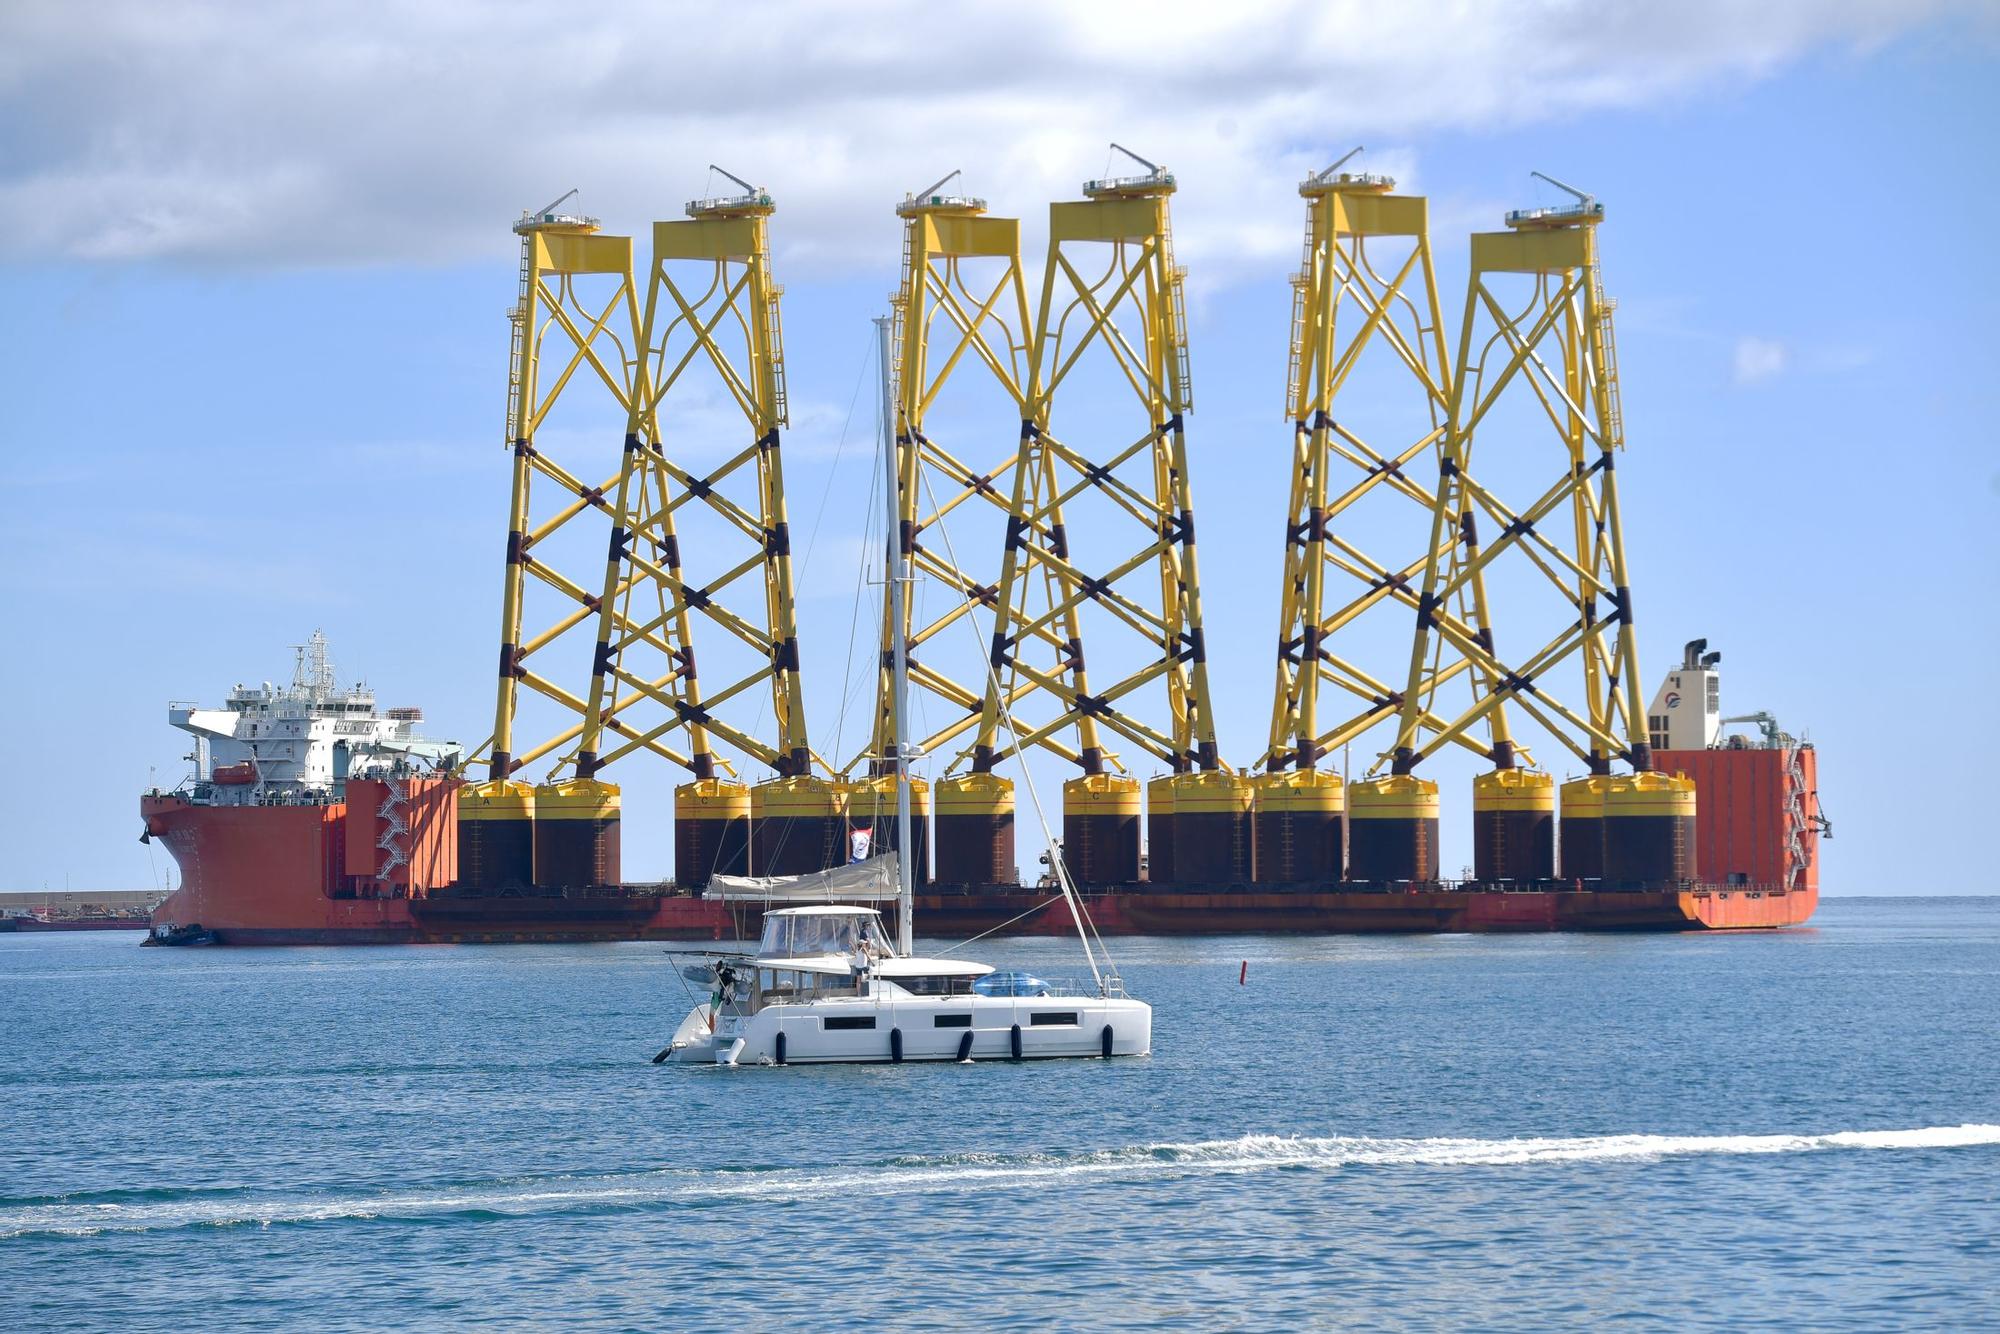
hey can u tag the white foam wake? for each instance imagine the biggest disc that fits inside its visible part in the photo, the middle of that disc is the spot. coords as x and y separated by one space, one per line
962 1172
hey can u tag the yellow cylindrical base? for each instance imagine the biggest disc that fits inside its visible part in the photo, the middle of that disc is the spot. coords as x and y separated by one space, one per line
1297 827
711 830
576 834
1212 828
975 830
1649 830
1101 829
799 825
1513 825
1392 829
496 835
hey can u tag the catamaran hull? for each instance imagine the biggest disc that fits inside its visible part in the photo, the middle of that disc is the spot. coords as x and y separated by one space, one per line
1000 1029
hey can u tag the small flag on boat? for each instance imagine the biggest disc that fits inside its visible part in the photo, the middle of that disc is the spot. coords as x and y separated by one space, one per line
858 841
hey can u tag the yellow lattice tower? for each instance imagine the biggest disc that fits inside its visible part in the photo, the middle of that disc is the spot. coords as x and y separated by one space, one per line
707 353
1365 298
711 329
1111 290
961 313
1537 338
960 330
575 329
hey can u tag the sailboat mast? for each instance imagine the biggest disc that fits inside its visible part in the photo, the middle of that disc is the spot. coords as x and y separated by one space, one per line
897 565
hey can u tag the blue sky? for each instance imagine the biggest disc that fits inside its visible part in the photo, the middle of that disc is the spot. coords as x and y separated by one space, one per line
255 361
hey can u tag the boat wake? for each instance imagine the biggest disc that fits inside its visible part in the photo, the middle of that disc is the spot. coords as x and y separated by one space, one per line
81 1216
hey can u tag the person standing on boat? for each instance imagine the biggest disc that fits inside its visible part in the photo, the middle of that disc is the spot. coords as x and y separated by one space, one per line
725 993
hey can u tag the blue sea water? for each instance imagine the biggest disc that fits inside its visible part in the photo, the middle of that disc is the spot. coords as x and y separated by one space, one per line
1791 1129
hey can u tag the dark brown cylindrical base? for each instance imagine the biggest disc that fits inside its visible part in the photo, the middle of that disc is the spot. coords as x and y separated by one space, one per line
1648 830
1648 850
799 826
1513 826
975 849
496 853
1160 830
1513 845
1582 848
920 843
1211 839
576 834
496 836
573 853
1298 829
1296 847
708 846
1211 847
1102 849
800 844
1398 848
711 831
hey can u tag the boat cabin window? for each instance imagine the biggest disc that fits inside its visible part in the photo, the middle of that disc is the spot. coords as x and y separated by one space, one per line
783 984
1048 1018
814 933
935 986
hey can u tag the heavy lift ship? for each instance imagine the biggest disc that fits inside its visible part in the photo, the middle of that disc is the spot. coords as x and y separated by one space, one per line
317 820
312 819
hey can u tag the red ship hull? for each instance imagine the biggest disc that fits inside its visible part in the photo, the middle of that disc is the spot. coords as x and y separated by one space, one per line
279 876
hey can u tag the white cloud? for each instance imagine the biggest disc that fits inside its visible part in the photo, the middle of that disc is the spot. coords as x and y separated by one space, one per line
1759 359
413 130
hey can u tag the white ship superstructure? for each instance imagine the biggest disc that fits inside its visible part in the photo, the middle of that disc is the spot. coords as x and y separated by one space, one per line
272 745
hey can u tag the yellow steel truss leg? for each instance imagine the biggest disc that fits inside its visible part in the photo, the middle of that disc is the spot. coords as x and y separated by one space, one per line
644 687
1556 345
1124 224
593 332
711 310
1366 289
962 305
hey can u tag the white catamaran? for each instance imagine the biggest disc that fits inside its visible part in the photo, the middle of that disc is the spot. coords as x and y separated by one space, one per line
827 985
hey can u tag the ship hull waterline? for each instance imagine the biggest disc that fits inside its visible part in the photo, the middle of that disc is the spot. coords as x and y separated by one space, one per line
258 876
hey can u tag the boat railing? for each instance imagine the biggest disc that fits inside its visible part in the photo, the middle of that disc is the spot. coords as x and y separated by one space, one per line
1054 988
1072 988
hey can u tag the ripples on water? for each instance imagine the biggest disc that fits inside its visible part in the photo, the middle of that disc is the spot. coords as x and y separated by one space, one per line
1523 1131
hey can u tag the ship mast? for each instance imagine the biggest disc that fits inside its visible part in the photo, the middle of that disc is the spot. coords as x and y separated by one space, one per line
897 567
